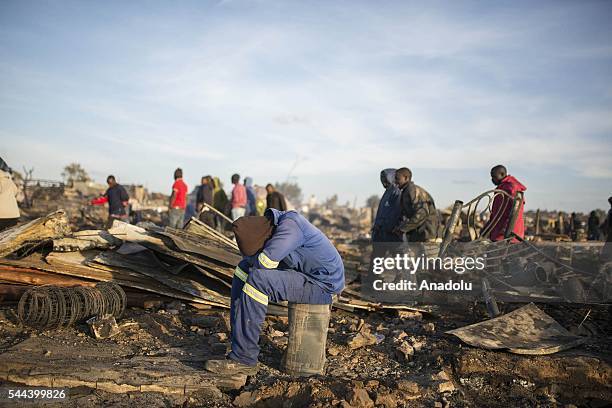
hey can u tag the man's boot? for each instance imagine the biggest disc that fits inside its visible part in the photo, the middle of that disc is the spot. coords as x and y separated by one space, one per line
229 367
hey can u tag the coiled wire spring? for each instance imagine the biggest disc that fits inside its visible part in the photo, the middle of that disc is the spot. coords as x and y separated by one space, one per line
54 307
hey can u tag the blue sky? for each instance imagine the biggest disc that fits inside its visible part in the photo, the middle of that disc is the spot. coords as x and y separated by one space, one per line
324 93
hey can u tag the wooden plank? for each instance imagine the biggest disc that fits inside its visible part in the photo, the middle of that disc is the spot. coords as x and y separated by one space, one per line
35 277
54 225
46 362
211 232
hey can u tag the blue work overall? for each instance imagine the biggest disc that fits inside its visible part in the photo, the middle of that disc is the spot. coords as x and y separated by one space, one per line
297 264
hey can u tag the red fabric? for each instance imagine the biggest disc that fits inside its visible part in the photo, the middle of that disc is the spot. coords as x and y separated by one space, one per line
180 194
239 196
99 201
511 186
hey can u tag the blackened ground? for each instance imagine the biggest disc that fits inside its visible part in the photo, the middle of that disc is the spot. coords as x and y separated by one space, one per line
412 362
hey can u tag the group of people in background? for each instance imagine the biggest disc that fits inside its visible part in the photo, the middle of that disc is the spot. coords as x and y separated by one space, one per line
407 212
210 200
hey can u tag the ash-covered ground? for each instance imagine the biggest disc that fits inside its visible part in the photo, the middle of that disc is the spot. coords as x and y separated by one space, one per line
373 359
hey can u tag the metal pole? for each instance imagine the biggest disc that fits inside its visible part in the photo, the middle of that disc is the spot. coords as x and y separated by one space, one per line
449 231
219 213
516 206
489 299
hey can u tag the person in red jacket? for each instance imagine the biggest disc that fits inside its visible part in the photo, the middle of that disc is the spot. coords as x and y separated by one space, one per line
503 204
239 198
178 201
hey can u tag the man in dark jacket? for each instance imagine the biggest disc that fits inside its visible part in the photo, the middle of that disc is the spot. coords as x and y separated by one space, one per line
275 199
593 227
117 199
608 223
286 258
389 210
205 196
419 218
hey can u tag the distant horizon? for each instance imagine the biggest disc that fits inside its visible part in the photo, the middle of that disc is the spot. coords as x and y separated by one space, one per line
325 94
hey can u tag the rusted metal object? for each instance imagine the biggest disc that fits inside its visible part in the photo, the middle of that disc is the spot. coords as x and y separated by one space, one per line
54 307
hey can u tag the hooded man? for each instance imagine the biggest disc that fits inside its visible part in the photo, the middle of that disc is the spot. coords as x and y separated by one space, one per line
9 210
419 217
501 209
389 210
251 207
286 258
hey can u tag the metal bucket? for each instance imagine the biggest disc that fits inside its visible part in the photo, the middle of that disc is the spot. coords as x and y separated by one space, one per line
308 324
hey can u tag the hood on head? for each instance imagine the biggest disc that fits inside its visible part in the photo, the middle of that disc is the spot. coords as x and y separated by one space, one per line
251 233
248 181
511 180
389 175
217 185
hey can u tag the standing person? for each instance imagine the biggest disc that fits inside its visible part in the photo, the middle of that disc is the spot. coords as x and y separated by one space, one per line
219 197
593 233
178 201
260 199
205 196
9 210
118 201
606 252
275 199
418 219
220 202
389 209
239 198
251 207
285 258
509 184
576 227
608 222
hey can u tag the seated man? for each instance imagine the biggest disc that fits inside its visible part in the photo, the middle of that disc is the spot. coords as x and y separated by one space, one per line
285 259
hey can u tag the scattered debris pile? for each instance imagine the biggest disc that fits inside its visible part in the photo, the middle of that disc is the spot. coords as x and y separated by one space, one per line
378 354
194 265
